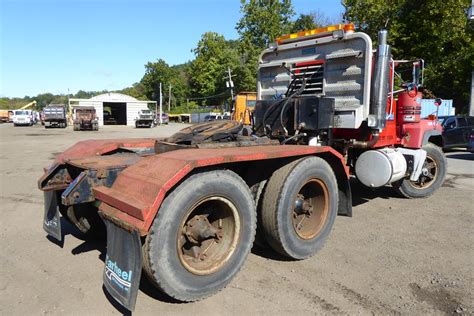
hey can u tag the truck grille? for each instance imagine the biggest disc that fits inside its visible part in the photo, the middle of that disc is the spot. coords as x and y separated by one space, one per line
313 72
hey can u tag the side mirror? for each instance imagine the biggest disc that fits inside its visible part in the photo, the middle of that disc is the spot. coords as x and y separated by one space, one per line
417 72
438 101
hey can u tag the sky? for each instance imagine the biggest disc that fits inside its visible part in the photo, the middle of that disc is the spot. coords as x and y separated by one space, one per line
69 45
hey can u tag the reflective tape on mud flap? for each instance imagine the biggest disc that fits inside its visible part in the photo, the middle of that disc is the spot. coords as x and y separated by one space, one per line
52 219
123 264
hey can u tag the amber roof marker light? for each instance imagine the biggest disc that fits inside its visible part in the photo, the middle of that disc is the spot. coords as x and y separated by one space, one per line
287 38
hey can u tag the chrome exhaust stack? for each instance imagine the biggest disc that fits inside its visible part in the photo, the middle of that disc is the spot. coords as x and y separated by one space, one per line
380 83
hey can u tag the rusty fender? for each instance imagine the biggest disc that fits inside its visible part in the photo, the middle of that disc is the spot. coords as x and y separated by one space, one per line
136 195
91 148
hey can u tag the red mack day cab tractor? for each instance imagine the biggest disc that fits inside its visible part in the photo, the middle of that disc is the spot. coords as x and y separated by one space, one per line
186 209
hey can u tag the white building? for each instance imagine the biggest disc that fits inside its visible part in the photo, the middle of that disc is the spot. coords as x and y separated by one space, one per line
114 108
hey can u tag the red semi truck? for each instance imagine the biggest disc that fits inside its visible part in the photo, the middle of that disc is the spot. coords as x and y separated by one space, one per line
184 209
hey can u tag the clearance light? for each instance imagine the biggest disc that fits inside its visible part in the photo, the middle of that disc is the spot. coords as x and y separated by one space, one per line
314 33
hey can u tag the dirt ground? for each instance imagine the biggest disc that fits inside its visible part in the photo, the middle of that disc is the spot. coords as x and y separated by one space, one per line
394 256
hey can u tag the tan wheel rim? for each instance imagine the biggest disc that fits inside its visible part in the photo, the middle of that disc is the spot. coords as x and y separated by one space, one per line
311 209
429 173
208 235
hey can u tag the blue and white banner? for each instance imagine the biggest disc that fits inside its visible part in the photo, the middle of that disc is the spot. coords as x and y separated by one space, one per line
52 219
123 265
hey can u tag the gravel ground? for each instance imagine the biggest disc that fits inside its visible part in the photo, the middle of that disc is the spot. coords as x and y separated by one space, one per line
394 256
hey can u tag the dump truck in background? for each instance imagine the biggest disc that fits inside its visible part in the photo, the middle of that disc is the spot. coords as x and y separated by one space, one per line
55 116
85 118
184 209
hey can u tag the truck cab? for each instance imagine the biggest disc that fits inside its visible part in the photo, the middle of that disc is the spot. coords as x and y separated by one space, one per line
23 117
145 118
85 118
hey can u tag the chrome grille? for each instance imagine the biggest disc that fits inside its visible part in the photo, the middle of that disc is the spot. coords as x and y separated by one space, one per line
313 72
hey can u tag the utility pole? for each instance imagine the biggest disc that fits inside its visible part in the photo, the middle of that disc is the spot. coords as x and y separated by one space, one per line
161 106
229 83
169 98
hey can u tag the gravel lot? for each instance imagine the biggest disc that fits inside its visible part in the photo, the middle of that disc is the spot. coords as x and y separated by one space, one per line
394 256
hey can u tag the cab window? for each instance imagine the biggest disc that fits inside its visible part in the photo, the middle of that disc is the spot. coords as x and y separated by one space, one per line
450 123
462 122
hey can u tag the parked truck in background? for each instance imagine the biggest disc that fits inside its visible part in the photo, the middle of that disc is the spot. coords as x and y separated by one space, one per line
84 118
55 116
23 117
6 116
145 118
185 208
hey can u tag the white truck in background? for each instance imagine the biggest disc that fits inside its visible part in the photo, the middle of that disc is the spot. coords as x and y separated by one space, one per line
23 117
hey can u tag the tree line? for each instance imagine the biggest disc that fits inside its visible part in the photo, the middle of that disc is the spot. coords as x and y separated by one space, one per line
436 30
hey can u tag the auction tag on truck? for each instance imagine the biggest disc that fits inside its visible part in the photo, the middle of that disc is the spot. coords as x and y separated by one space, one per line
123 265
52 219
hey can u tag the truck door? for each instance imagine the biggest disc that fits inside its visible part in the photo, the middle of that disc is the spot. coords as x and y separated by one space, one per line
464 131
449 131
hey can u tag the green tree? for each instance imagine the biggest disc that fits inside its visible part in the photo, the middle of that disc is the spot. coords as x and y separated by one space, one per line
262 22
160 72
155 73
81 94
137 90
44 99
312 20
435 30
213 56
180 84
303 22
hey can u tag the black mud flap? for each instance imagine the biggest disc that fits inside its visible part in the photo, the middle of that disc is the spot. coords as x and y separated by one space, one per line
123 265
52 219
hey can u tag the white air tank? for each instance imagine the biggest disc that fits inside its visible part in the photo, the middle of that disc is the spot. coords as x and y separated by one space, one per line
376 168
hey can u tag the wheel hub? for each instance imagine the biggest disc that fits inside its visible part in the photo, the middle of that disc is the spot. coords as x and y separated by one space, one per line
208 236
199 229
428 175
311 208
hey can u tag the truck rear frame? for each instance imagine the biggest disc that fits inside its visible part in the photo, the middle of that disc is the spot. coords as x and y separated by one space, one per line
185 208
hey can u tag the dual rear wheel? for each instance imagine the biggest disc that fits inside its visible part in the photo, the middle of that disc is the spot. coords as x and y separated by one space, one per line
205 228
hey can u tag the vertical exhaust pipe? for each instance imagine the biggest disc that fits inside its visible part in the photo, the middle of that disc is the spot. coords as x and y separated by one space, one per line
380 83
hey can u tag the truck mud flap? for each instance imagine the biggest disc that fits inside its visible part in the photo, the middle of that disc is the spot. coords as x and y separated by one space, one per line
52 219
123 264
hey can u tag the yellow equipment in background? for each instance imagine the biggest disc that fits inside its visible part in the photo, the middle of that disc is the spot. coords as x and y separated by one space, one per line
244 106
6 115
32 103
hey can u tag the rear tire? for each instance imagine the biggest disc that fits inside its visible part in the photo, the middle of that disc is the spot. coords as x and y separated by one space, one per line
179 259
299 207
431 179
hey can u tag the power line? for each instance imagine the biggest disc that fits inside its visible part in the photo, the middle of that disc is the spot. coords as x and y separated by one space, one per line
208 97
